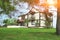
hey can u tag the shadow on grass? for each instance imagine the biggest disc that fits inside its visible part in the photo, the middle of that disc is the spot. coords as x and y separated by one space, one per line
44 33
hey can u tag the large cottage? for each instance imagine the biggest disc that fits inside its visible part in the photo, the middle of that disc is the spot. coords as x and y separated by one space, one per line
33 18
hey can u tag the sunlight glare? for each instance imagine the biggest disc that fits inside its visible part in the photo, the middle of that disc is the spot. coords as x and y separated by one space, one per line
51 2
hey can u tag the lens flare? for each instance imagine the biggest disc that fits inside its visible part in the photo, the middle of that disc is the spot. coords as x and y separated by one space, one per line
51 2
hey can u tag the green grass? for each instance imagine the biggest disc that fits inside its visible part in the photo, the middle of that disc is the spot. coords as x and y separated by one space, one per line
28 34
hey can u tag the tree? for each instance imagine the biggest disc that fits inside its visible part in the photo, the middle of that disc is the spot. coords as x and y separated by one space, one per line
5 5
58 18
31 2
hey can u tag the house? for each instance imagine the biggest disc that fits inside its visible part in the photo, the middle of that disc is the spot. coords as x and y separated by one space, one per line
33 18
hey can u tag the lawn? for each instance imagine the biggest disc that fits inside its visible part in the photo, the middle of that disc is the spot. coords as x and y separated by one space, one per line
28 34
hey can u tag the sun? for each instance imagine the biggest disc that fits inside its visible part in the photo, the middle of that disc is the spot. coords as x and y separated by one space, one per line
50 2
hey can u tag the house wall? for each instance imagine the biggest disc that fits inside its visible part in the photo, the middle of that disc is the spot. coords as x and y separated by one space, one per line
26 17
53 10
36 16
30 25
54 19
42 23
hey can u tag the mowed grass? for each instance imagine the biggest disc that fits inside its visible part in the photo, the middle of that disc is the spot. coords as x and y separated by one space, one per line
28 34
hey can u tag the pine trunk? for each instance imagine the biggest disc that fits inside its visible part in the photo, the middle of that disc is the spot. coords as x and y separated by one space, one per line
58 18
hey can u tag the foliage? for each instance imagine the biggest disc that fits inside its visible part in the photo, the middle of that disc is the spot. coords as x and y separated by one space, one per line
10 21
48 22
30 1
26 21
5 5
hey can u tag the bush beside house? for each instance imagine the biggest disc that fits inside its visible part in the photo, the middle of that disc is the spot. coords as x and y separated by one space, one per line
10 21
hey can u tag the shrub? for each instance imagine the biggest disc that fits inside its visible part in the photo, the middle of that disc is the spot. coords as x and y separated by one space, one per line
10 21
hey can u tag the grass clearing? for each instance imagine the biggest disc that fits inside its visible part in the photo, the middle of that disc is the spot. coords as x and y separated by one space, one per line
28 34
